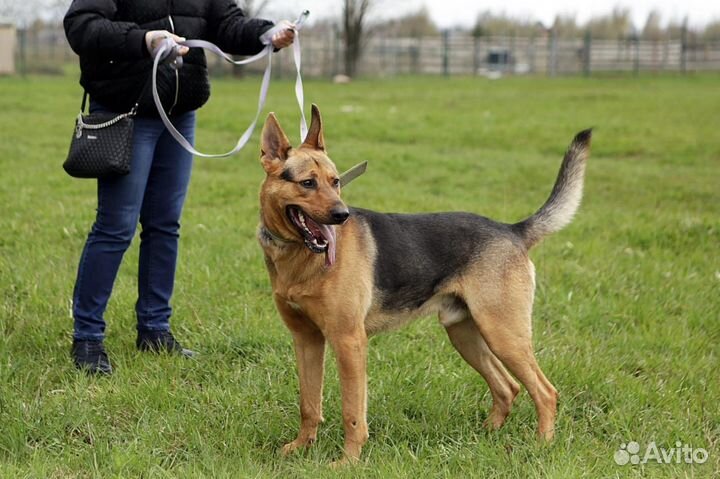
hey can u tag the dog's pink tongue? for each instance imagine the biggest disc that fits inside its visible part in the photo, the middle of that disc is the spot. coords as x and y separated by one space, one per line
329 234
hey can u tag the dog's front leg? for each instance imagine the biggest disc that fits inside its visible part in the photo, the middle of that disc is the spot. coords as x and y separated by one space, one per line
351 351
310 354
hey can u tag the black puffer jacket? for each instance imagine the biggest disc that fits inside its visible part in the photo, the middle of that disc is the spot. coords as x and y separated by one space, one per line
109 36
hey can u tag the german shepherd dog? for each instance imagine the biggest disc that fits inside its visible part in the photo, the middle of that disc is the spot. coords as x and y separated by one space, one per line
341 274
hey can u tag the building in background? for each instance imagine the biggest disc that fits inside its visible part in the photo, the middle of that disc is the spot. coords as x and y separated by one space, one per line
7 48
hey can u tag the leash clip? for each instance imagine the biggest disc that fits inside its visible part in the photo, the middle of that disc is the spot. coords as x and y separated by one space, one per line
353 173
301 19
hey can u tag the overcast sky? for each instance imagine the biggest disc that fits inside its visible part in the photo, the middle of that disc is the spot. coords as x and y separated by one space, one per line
448 13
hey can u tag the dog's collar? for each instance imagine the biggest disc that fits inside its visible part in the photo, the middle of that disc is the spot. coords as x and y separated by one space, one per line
272 236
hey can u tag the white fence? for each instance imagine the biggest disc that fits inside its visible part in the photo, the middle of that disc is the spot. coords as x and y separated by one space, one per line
46 51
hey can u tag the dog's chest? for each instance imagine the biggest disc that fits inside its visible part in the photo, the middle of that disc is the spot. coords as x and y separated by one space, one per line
294 295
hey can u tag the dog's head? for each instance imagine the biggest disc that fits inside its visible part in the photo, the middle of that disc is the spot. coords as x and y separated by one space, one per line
300 197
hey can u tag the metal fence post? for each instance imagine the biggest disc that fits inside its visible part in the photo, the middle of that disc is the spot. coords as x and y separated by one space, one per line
35 43
415 55
552 58
510 65
52 47
446 52
325 66
338 47
683 46
531 53
397 57
587 53
383 53
22 40
476 54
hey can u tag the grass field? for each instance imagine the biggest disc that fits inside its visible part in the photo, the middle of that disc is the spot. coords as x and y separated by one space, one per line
627 316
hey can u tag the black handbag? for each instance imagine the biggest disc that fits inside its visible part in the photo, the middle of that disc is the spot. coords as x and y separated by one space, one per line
101 145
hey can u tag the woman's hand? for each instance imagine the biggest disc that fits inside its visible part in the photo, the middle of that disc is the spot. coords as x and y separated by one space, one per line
285 37
153 39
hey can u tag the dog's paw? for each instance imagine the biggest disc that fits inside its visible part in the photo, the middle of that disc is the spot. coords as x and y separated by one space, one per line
344 461
492 424
494 421
298 443
546 437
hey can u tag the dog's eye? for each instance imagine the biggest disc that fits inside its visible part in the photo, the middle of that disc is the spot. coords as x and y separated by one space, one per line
311 183
336 182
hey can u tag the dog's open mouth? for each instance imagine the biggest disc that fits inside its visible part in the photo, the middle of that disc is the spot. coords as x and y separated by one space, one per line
319 238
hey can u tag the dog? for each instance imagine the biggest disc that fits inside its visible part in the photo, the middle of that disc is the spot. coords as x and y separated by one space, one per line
341 274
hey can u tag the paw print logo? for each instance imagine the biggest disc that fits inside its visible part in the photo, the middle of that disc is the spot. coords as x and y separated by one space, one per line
628 453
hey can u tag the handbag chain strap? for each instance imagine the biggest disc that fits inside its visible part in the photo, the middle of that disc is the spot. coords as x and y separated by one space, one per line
80 125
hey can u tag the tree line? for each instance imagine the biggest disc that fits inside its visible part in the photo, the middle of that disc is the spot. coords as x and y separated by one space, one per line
611 26
357 22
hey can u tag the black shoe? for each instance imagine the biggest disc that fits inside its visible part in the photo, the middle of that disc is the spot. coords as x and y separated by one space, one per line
90 356
158 341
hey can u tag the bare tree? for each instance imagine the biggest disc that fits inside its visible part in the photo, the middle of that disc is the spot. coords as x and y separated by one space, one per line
414 24
653 30
19 13
354 16
488 24
565 26
618 24
712 31
24 13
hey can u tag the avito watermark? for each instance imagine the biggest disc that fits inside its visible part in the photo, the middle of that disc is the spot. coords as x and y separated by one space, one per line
630 453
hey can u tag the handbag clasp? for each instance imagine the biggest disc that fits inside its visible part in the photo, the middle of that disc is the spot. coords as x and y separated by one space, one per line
78 126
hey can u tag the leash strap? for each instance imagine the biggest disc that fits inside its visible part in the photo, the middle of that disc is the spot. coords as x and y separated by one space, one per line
168 51
299 91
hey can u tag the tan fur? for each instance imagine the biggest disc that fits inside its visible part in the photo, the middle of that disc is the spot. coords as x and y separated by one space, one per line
340 305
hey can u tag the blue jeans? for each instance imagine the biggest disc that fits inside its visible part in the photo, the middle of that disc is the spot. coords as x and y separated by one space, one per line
153 193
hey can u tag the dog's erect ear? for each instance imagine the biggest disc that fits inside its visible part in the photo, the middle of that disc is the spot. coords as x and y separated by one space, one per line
274 144
314 138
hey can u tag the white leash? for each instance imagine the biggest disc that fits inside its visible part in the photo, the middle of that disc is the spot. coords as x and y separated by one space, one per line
168 50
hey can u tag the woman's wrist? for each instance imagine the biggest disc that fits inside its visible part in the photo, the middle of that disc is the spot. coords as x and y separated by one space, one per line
154 38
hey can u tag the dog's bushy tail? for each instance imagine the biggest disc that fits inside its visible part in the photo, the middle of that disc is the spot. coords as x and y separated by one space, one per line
559 209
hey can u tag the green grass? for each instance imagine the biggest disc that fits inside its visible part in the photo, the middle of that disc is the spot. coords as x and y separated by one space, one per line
627 308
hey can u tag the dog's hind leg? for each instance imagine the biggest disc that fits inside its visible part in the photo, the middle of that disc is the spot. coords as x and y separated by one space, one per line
507 332
310 354
467 340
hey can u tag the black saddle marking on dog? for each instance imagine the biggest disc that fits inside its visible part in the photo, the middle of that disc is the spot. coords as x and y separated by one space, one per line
417 253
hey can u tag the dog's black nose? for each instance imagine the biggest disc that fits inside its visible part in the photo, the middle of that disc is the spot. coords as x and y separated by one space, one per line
339 215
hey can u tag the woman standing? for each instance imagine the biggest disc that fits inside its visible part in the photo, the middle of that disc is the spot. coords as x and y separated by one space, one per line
114 39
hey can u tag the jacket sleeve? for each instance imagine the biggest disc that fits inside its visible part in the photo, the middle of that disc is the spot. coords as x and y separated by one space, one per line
232 31
92 32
